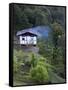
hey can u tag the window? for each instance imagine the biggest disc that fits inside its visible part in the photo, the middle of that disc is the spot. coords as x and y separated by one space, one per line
23 38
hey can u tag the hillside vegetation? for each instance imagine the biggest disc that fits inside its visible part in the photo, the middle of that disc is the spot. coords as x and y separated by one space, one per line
31 69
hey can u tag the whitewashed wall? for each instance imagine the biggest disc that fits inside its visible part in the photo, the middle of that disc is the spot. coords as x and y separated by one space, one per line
28 40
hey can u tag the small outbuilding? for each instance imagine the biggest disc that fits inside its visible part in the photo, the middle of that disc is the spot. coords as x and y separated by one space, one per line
27 37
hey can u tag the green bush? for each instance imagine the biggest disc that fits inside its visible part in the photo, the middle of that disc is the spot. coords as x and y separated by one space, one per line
39 74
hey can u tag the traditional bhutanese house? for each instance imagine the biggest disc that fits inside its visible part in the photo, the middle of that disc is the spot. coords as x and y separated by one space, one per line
27 38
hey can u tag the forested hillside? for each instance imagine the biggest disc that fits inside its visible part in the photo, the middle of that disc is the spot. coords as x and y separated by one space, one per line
27 16
48 65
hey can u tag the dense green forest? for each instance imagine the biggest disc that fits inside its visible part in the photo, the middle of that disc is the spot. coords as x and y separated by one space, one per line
48 66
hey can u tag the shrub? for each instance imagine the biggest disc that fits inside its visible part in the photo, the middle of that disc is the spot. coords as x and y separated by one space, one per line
39 71
39 74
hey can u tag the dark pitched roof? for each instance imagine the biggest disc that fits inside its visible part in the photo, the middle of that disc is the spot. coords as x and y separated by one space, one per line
38 31
25 32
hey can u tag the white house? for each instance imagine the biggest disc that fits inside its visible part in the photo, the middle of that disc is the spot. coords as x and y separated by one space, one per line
27 37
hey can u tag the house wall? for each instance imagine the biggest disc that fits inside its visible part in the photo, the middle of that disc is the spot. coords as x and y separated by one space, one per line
26 40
